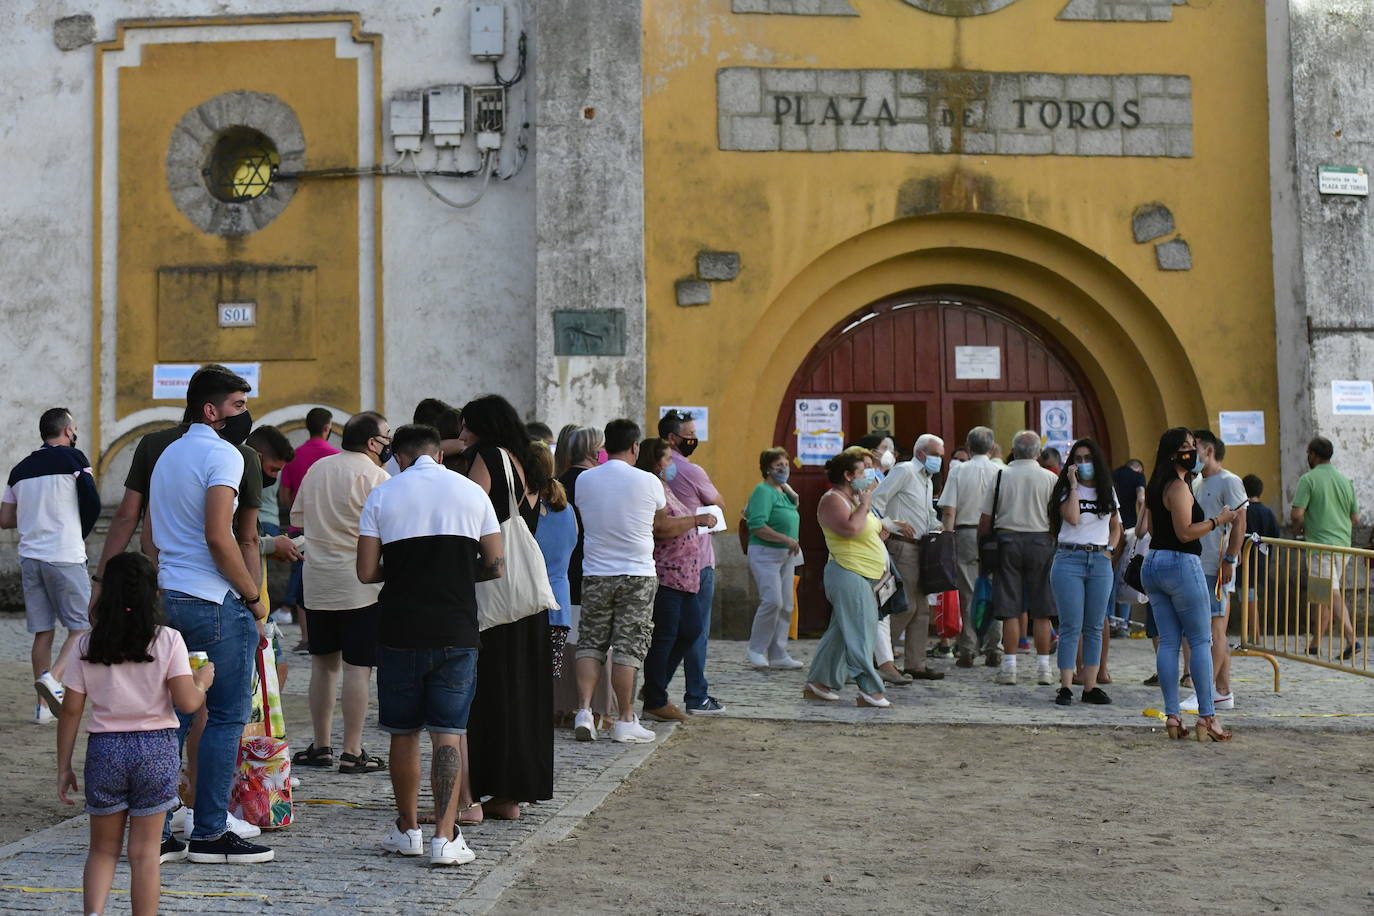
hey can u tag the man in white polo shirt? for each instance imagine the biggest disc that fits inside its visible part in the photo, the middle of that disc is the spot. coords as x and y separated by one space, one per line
619 504
52 499
437 532
212 598
340 610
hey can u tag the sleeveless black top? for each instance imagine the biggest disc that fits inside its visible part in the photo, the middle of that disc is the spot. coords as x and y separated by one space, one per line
1162 533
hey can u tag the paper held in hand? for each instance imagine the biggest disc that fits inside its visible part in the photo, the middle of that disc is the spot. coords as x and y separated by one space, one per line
719 516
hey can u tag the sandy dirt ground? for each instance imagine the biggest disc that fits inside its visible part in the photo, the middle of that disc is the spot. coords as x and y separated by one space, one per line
757 816
28 755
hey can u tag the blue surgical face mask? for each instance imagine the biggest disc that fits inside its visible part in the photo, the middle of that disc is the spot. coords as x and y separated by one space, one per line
873 475
1086 470
933 464
780 475
670 471
862 483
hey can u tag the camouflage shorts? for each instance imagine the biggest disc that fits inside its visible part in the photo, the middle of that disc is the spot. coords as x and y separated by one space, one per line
617 613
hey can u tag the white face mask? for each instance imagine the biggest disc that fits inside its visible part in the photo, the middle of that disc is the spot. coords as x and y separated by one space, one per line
887 460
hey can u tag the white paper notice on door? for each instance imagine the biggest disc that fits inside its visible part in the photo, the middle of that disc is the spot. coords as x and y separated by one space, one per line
978 362
819 415
1242 427
1056 425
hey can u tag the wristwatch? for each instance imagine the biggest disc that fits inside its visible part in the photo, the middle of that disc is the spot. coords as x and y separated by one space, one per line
1227 558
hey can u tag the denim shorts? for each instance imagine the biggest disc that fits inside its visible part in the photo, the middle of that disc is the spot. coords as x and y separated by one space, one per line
425 689
132 771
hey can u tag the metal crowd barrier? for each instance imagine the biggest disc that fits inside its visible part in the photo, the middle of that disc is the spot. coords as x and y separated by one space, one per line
1301 594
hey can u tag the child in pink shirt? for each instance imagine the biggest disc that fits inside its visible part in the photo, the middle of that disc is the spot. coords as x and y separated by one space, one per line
133 670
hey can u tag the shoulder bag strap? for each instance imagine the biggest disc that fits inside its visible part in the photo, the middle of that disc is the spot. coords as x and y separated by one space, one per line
996 495
510 484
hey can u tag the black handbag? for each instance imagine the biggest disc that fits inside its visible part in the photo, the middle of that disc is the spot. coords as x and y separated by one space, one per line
987 545
939 563
1132 574
890 593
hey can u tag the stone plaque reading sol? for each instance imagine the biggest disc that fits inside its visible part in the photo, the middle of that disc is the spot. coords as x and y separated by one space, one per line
946 111
589 332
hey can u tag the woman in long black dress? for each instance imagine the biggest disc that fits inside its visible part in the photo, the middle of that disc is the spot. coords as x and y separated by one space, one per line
510 727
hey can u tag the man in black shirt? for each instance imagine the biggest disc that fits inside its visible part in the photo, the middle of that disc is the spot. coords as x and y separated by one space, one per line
1129 482
1260 520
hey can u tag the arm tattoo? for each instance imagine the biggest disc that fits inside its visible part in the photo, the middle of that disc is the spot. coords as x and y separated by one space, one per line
493 569
445 767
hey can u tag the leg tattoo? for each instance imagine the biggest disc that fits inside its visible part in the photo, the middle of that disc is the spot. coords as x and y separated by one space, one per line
446 766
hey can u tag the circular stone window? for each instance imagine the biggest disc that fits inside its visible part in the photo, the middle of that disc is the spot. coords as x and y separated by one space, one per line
225 160
243 164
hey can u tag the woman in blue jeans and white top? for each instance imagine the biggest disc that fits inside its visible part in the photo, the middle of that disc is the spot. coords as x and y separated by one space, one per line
1085 519
1172 576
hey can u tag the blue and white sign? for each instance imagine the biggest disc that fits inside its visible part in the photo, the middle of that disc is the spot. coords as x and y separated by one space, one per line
170 380
1352 397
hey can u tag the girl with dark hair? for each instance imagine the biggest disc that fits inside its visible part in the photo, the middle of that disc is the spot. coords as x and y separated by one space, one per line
557 536
1084 518
510 727
133 669
1173 579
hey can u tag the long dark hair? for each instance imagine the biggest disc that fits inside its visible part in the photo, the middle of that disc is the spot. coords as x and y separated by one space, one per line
496 424
126 617
1102 482
1165 469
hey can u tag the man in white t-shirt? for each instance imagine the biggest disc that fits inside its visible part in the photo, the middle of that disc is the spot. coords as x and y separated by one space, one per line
620 505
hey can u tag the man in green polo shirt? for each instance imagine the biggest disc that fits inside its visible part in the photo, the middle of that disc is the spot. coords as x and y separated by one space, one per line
1325 512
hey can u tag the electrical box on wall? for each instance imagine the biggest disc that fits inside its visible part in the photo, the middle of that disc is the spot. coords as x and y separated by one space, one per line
407 121
447 114
487 32
488 116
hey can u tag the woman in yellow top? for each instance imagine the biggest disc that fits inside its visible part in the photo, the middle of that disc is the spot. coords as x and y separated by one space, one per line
857 561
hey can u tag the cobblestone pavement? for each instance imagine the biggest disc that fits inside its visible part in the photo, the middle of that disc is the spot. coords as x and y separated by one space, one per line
328 861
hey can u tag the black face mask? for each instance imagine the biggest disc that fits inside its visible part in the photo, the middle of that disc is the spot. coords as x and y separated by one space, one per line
385 454
685 447
268 481
1187 460
237 428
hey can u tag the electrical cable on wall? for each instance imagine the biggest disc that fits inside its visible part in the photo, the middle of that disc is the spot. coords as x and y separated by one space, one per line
487 167
519 69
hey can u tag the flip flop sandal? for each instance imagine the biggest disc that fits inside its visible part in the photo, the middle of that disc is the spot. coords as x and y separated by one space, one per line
362 763
314 757
465 822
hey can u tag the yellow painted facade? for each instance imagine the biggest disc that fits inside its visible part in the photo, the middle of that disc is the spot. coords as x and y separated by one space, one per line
822 235
318 231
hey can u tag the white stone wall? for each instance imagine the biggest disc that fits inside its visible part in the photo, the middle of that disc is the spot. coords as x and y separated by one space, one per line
458 284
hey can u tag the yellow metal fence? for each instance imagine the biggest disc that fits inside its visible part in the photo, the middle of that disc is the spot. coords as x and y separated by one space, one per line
1306 602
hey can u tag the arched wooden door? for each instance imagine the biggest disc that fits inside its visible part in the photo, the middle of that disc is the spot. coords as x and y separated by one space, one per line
900 359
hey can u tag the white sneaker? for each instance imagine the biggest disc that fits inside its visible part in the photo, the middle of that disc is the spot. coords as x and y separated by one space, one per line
756 659
1190 704
584 725
1006 676
450 852
183 821
241 827
1043 675
50 692
631 732
1226 702
407 843
786 661
282 615
42 715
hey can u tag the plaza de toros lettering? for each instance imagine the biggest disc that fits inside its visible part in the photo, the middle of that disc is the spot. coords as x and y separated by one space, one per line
939 111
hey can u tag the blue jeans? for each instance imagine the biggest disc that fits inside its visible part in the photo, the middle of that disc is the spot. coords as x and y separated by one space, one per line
1181 607
228 634
675 633
428 689
1082 584
694 661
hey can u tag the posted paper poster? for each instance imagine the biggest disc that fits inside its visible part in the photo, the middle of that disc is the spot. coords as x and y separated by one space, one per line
819 415
1056 425
170 380
818 448
701 415
1352 397
978 362
1242 427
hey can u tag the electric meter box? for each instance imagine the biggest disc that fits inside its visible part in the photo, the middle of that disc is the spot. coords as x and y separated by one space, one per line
407 121
447 114
487 34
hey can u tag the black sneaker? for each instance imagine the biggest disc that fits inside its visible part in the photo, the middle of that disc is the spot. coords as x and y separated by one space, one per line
1152 680
1096 697
1064 697
173 850
706 707
229 849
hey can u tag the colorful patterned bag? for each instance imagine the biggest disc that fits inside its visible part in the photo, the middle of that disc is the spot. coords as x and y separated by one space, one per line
262 786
